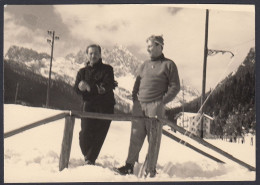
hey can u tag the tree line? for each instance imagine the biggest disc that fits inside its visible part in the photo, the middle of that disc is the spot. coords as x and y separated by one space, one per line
33 89
232 103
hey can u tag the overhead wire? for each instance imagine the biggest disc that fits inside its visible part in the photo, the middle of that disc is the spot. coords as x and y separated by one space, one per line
199 115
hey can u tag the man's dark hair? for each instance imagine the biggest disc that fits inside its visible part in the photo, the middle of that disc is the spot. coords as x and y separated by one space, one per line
94 46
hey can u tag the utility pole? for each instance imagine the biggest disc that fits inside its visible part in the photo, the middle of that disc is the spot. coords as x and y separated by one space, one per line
16 92
204 68
51 42
182 104
207 52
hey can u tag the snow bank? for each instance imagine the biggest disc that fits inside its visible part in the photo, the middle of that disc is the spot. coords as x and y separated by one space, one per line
33 156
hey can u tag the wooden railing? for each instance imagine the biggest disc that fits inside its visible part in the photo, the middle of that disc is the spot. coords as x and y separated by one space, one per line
70 122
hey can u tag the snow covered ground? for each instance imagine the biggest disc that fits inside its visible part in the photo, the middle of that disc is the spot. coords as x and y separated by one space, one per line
33 156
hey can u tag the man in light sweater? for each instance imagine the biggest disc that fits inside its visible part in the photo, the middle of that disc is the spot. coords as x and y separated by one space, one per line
157 83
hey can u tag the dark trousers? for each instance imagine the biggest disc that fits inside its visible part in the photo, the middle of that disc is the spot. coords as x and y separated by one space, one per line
93 131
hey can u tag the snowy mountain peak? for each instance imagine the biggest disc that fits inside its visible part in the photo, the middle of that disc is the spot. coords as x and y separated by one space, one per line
125 65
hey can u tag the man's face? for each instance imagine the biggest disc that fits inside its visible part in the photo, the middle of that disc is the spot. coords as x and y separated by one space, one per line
153 49
93 55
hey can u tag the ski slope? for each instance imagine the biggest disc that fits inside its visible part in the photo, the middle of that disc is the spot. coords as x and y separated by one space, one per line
33 156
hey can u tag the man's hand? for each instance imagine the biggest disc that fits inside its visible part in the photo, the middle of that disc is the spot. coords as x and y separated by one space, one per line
84 86
101 89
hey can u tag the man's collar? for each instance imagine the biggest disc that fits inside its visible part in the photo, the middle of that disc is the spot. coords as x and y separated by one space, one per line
96 65
161 57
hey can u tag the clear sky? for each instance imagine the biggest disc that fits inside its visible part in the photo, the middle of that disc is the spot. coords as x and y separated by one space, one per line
231 27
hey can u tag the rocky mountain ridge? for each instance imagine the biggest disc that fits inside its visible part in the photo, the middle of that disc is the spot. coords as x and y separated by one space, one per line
125 65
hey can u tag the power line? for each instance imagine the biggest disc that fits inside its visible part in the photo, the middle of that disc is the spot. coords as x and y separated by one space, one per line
233 46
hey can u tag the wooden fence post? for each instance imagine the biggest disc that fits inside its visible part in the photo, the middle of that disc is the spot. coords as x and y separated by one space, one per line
154 145
66 142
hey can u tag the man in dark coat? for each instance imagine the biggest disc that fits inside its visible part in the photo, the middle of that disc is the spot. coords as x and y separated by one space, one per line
95 83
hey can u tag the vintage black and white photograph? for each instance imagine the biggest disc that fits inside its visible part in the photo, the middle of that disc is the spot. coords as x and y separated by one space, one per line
129 93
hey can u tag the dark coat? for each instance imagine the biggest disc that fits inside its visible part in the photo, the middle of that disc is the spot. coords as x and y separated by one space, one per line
100 75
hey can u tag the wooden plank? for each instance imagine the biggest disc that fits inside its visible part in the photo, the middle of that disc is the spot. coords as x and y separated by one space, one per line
153 149
66 142
35 124
141 172
115 117
205 143
153 144
168 134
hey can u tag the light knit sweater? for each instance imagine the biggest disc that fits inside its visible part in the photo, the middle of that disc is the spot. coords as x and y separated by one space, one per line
157 79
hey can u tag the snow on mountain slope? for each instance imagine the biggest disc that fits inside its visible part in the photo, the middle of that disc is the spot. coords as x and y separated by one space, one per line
125 66
240 53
